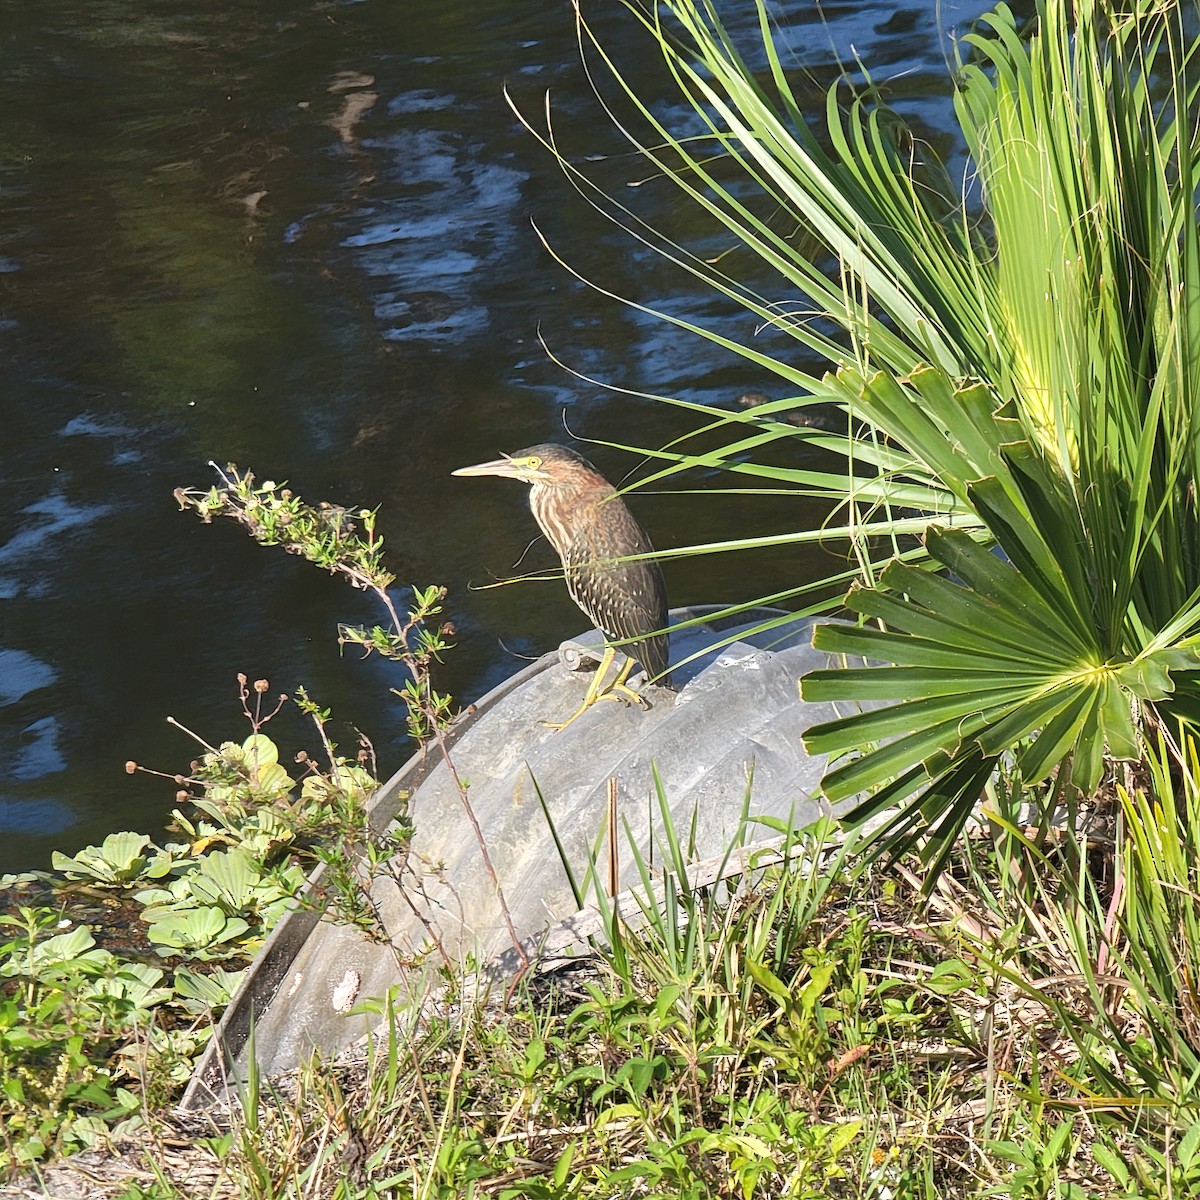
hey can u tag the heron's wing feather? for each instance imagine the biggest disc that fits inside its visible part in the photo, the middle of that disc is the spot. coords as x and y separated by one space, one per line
627 600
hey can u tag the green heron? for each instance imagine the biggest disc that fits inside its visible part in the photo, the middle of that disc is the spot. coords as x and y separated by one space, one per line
596 538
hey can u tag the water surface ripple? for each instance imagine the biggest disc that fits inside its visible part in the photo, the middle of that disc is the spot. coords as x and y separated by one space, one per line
298 236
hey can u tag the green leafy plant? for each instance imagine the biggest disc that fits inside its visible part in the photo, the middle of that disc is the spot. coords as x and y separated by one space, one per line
1018 377
1036 1162
66 1004
207 992
90 1041
1155 1174
198 932
121 859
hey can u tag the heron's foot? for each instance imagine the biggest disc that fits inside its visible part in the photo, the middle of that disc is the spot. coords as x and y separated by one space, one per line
626 694
617 691
598 690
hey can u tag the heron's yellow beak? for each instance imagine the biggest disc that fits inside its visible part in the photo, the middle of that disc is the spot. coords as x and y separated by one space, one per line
505 466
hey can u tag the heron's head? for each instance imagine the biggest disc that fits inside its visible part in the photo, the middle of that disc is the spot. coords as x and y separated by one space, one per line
547 465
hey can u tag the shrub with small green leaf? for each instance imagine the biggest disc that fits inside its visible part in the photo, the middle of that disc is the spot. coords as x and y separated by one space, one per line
347 544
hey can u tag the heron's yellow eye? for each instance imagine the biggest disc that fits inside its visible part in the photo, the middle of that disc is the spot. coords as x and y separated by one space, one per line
534 462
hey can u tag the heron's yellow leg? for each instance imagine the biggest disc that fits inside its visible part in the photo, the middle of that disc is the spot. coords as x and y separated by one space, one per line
617 690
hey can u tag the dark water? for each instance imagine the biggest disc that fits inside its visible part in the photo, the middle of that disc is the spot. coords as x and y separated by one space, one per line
298 236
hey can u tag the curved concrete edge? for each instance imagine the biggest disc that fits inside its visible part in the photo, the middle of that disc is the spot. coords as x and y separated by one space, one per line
302 953
285 942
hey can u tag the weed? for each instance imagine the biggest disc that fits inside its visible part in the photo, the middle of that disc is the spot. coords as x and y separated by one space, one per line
90 1041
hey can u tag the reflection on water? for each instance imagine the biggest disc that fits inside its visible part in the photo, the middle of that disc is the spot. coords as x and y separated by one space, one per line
299 236
21 673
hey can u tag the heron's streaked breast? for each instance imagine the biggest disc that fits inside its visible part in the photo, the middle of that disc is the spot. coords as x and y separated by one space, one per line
552 513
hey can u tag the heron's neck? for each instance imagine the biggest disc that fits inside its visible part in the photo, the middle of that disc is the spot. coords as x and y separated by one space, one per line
560 509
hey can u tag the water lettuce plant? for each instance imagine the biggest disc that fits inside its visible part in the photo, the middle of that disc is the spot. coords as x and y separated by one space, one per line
119 860
91 1039
1018 362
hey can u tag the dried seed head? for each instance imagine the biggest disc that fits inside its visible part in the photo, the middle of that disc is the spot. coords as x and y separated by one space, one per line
260 686
130 767
181 797
241 678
